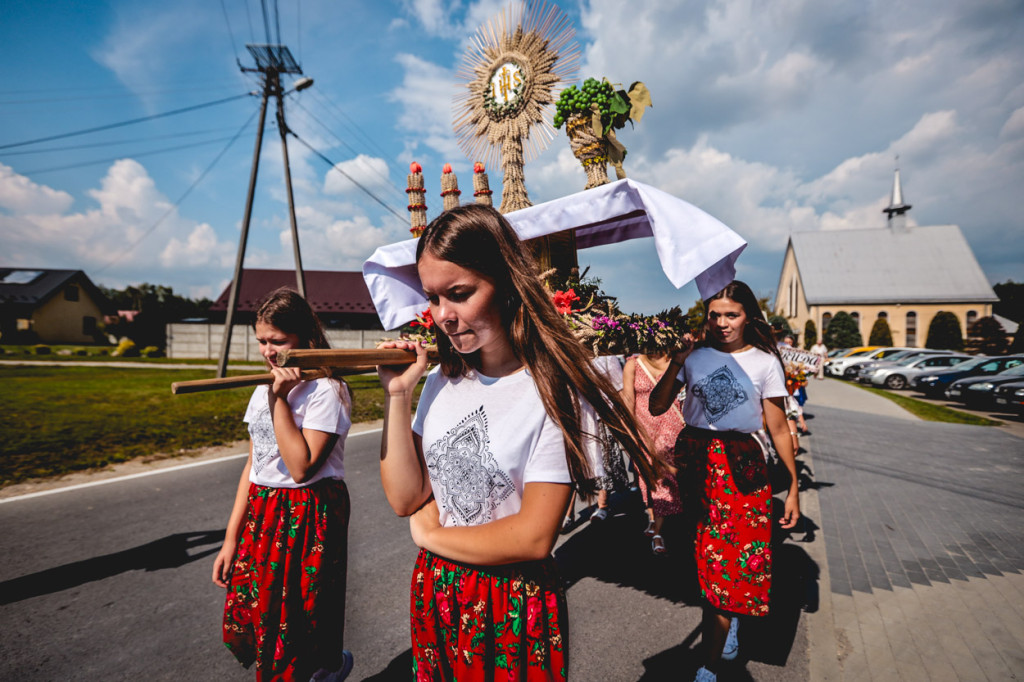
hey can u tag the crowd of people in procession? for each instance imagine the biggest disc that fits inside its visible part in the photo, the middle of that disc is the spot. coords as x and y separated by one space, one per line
513 423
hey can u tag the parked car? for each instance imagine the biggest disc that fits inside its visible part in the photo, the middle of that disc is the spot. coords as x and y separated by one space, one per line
979 392
851 369
836 366
1009 397
934 384
854 369
896 375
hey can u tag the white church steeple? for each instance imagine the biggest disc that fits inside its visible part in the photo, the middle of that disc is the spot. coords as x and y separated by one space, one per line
897 208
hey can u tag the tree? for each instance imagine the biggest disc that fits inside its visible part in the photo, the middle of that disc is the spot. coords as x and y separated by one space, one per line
695 316
156 306
842 332
944 332
810 334
987 336
881 335
1011 300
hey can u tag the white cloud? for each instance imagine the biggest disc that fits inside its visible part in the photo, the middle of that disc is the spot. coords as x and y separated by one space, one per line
18 194
425 97
368 171
118 232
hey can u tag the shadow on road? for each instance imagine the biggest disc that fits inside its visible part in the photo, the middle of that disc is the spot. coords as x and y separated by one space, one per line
168 552
398 670
616 551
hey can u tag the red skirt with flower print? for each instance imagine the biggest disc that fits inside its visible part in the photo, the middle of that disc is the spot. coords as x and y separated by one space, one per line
285 606
499 623
733 522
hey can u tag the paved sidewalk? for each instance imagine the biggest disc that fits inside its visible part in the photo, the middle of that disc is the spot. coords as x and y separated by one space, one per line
923 537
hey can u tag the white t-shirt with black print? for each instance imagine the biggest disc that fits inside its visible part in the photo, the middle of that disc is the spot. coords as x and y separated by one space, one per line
724 390
315 405
484 438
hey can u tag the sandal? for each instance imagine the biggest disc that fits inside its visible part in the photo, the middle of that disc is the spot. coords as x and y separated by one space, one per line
658 545
649 530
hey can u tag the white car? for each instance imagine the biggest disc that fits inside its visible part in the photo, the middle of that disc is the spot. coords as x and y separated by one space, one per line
897 375
838 366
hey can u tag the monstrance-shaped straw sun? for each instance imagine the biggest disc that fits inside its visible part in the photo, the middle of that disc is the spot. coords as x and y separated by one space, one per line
511 69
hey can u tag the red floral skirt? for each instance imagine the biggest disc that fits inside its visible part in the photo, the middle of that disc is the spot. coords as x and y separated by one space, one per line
495 623
285 607
733 522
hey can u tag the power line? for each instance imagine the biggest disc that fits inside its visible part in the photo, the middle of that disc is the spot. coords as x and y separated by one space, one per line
231 34
177 203
277 22
347 146
266 21
351 123
123 123
351 179
96 162
118 95
109 143
248 17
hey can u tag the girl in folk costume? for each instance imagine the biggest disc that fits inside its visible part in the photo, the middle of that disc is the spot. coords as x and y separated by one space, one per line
285 554
734 380
640 375
486 466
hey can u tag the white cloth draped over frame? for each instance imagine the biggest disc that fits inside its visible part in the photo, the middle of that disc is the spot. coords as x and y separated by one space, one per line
691 244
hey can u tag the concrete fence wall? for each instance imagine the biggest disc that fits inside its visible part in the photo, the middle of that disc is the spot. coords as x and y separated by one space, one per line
204 340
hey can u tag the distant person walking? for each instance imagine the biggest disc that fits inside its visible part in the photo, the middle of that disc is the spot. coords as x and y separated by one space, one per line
285 554
734 380
640 375
821 350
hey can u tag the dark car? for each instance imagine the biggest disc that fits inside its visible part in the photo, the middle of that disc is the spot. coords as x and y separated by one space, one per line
980 391
1009 397
934 384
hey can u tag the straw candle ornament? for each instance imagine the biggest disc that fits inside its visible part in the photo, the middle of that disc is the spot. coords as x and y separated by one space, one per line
481 187
449 187
417 199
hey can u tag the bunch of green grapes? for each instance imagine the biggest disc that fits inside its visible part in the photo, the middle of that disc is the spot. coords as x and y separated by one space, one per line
578 100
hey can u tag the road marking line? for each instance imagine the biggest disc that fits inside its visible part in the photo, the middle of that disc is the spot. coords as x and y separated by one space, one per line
126 477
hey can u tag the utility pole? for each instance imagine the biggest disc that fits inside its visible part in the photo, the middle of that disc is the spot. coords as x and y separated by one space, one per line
271 62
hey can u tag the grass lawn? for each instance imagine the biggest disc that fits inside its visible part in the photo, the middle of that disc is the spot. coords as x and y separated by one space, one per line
929 411
61 419
65 353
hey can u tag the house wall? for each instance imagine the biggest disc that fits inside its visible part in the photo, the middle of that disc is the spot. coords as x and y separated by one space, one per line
62 321
896 315
204 341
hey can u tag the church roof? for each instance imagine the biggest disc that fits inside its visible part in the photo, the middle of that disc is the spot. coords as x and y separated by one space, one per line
918 264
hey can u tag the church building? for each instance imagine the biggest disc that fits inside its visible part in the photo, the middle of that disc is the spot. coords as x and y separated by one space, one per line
902 273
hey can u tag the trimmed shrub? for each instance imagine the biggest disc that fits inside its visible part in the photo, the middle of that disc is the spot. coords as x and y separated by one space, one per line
126 349
810 334
842 332
988 337
944 332
80 351
881 335
152 352
41 349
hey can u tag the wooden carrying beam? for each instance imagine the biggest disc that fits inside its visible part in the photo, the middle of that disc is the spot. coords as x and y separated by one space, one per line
341 361
342 357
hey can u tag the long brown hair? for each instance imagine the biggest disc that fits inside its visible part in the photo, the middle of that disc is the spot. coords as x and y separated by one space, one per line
758 333
480 239
286 310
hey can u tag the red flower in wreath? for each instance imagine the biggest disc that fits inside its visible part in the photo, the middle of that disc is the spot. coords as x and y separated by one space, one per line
425 320
563 301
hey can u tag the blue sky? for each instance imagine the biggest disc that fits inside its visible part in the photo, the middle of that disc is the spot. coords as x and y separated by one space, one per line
774 117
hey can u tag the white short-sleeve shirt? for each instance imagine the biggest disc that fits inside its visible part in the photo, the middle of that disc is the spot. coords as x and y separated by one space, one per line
724 390
315 405
484 438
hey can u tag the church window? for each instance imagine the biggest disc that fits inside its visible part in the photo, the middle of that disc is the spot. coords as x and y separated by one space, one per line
912 329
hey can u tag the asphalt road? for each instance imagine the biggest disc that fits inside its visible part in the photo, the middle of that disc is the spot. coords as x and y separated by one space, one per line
112 582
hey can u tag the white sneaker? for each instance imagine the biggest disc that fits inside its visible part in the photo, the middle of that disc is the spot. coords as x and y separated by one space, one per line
600 515
705 675
732 642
